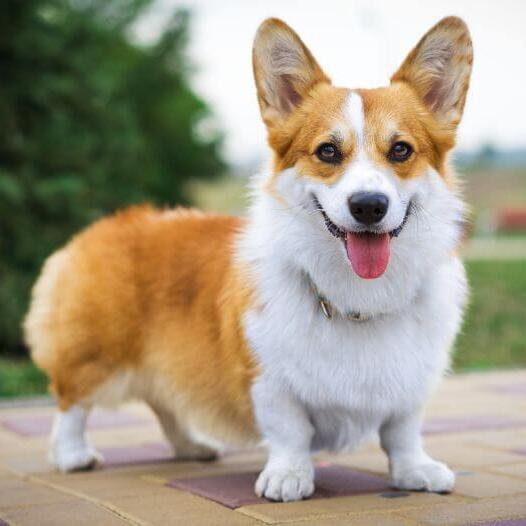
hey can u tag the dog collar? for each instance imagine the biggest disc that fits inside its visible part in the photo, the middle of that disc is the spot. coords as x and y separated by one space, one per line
328 309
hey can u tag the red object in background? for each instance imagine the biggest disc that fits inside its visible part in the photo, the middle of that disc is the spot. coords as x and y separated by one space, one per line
512 220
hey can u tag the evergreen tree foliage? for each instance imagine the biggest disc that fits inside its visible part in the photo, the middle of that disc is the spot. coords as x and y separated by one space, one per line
90 122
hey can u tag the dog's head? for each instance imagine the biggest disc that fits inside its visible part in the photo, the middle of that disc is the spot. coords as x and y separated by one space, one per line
366 162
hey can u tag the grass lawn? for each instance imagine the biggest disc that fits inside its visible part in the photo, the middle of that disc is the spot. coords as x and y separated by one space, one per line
493 336
494 332
20 378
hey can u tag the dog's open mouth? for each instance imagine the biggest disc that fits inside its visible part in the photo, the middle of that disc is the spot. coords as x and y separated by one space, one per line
368 251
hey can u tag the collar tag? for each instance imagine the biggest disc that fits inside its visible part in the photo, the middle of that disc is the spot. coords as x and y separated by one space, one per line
328 310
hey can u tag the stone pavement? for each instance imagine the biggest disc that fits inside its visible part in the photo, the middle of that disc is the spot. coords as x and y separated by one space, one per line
476 423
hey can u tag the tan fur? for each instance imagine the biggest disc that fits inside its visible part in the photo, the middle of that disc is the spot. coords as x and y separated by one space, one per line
155 292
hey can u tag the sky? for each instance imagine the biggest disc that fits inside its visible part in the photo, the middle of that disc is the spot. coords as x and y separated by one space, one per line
359 44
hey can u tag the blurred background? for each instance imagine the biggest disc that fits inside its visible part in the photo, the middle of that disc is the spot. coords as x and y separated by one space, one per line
104 103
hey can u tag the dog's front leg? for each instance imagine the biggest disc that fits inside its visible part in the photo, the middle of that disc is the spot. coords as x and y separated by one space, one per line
284 423
411 468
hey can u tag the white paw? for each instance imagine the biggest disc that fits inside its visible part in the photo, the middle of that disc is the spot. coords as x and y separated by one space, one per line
285 484
431 476
75 459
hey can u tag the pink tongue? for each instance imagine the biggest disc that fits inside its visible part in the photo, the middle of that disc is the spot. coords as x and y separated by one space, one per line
368 254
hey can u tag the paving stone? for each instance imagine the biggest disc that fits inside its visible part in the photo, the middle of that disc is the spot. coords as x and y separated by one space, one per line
471 423
359 519
163 472
105 487
465 455
15 492
485 510
28 462
509 522
373 462
481 401
514 470
40 425
317 509
68 513
149 432
173 507
482 408
504 440
488 485
516 389
145 453
15 410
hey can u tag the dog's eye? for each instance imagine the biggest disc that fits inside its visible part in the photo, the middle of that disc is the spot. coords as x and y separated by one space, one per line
328 153
400 151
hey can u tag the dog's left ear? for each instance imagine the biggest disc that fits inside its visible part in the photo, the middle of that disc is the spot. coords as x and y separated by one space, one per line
284 70
439 69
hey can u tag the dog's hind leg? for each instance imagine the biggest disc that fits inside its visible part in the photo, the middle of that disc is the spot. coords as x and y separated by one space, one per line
70 449
184 447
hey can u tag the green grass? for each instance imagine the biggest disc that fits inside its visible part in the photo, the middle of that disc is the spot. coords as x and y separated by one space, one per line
20 378
494 332
493 336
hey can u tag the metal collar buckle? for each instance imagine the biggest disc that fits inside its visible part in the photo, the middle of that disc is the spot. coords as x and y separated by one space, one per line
329 311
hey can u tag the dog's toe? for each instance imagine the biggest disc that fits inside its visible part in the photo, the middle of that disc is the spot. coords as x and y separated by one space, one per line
432 476
285 485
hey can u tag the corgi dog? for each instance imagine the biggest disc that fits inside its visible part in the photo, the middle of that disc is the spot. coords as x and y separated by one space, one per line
324 317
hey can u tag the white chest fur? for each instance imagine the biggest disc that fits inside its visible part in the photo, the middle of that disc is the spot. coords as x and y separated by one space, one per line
352 376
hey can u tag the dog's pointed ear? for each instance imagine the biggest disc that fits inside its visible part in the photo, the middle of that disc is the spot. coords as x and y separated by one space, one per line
284 70
439 69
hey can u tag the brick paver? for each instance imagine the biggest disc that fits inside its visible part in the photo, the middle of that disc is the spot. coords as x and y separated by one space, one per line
476 423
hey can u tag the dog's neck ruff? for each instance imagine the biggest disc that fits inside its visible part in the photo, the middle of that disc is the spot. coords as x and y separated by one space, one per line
330 311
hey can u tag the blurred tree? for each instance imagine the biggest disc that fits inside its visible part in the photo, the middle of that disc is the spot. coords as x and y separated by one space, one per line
90 122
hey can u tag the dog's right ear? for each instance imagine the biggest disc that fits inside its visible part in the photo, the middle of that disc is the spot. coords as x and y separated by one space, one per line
439 69
284 70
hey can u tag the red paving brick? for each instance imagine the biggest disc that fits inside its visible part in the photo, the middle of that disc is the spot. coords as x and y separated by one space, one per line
40 425
237 489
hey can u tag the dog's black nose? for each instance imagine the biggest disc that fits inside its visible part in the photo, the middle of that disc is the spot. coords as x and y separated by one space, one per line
368 207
